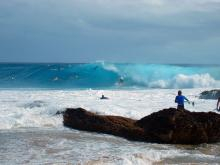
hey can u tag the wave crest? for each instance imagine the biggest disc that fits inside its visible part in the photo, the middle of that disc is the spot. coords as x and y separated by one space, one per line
186 81
107 75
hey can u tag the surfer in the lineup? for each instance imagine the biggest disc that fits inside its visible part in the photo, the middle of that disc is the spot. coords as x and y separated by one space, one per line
180 100
218 102
121 80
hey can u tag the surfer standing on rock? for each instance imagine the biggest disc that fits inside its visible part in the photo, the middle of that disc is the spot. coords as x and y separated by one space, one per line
180 100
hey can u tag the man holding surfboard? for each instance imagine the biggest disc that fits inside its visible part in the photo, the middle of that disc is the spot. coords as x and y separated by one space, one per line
180 100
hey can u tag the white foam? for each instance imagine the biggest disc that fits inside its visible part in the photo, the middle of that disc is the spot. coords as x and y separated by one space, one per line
194 81
33 108
186 81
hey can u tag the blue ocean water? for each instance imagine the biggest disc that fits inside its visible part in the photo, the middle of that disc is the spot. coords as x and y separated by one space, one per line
107 75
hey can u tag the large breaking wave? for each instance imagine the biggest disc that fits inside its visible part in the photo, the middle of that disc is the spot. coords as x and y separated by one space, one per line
108 75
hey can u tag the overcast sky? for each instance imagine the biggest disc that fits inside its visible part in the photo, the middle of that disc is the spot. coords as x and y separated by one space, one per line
139 31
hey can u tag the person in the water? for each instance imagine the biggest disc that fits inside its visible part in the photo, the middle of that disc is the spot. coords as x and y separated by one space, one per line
121 81
103 97
180 100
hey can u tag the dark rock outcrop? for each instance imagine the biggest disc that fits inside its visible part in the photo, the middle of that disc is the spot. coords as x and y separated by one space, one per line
182 127
166 126
120 126
212 94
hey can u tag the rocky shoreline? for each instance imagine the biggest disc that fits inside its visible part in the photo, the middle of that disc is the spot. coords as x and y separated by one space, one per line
211 94
169 126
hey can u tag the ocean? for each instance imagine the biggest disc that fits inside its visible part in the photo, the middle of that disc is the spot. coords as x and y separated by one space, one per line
31 94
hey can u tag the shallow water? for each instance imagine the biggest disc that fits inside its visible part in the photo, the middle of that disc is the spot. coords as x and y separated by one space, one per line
49 146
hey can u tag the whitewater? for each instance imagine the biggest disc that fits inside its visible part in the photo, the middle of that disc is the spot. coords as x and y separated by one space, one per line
31 94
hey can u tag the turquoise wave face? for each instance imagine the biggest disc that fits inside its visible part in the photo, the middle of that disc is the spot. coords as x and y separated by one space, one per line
108 75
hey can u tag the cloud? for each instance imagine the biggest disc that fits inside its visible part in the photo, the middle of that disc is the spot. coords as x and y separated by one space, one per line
112 29
141 15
